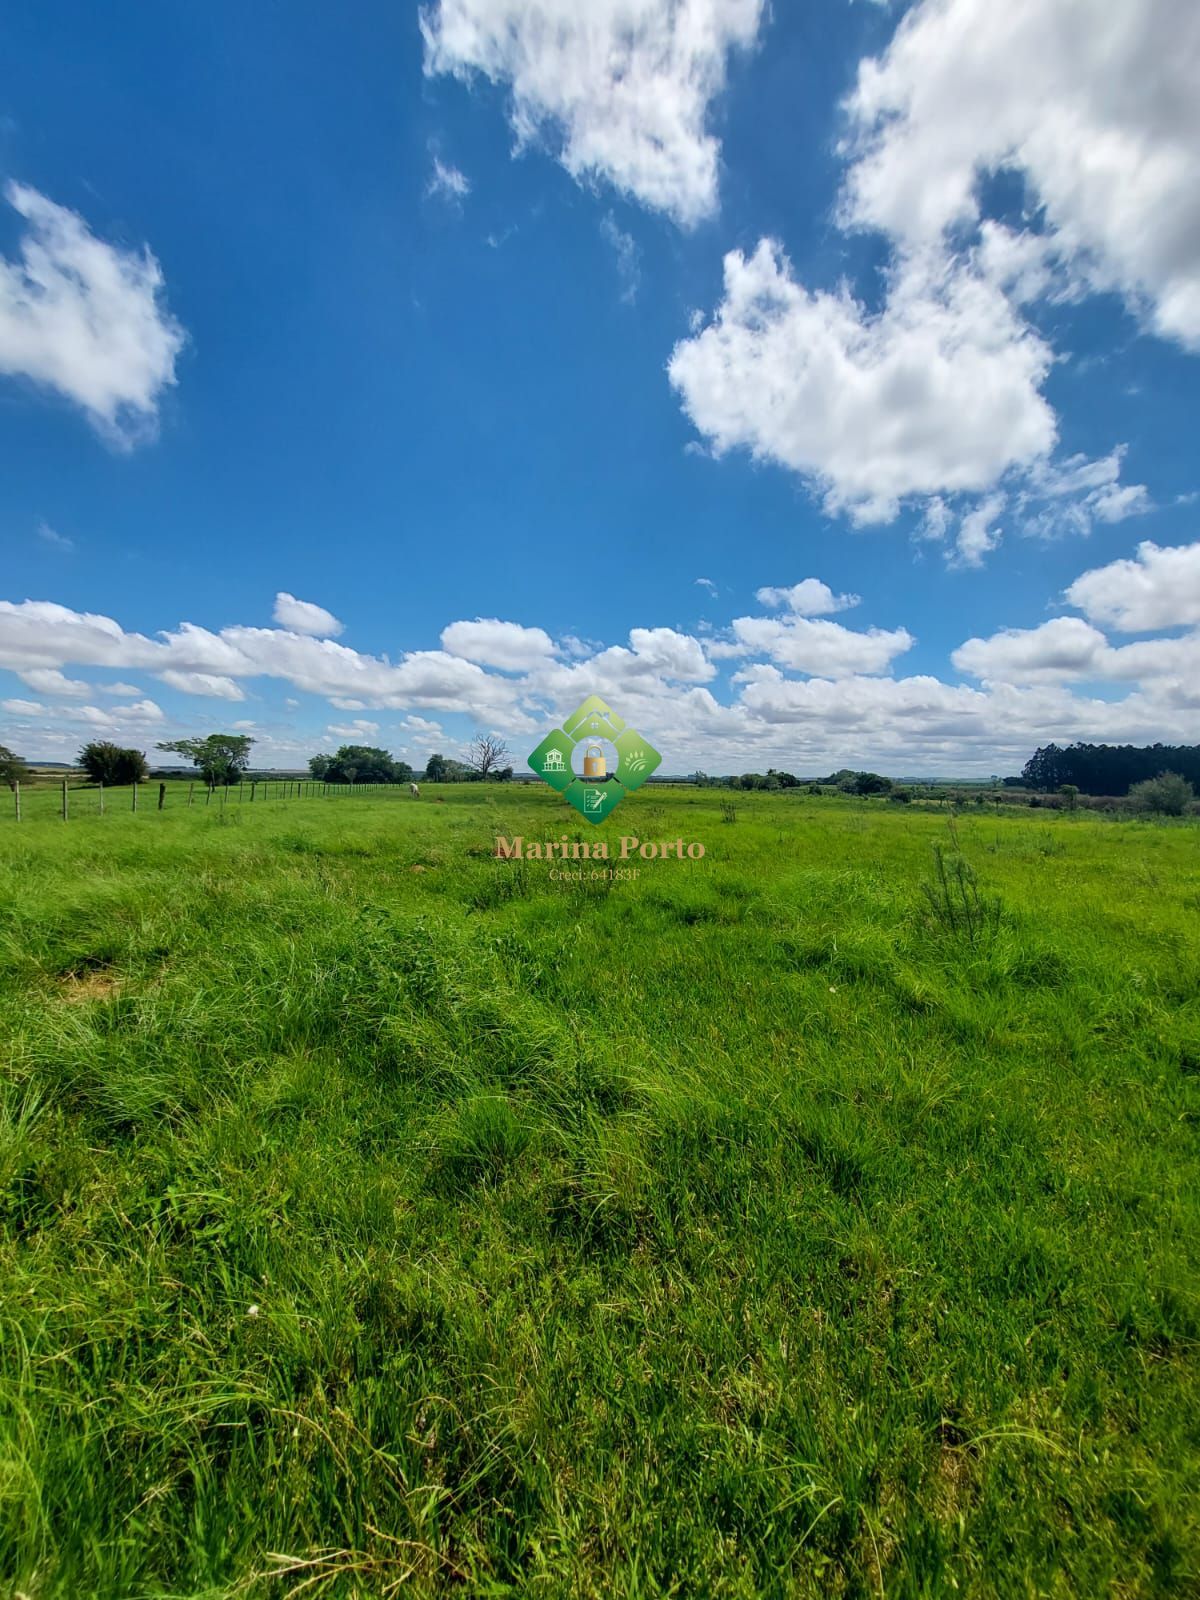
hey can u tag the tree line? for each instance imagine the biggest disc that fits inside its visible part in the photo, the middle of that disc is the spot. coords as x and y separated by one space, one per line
367 763
222 759
1111 769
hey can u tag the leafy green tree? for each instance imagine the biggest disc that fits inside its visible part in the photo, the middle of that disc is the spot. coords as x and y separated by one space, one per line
222 757
435 768
12 768
1070 793
105 762
318 766
1169 794
360 763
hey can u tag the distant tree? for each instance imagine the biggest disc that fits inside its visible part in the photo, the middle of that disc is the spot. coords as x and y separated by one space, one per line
318 766
222 757
435 768
105 762
872 783
1070 793
486 754
505 774
360 763
902 797
850 782
1169 794
842 779
12 768
402 772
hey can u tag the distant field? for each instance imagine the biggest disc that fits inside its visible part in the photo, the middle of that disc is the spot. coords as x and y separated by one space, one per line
380 1218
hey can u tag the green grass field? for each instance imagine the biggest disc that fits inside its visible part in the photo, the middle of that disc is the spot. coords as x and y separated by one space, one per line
380 1218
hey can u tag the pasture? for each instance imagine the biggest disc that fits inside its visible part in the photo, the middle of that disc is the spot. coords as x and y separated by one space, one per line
378 1217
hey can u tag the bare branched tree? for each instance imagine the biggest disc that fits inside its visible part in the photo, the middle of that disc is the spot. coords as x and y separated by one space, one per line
487 753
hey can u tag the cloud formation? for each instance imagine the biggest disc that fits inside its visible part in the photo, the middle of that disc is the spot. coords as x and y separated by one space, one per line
938 393
302 616
1159 588
622 89
447 182
1092 103
935 398
808 598
777 688
86 319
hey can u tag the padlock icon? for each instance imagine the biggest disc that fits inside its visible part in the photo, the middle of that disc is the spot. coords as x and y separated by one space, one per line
593 763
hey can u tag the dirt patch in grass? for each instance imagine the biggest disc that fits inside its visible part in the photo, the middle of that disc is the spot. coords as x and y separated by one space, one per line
98 983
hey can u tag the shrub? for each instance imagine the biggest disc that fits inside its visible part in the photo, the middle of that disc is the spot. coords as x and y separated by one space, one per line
105 762
956 903
1169 794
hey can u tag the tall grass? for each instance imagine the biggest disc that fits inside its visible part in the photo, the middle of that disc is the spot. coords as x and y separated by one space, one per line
379 1218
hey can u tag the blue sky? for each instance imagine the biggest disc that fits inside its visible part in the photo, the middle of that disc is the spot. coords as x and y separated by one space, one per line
490 353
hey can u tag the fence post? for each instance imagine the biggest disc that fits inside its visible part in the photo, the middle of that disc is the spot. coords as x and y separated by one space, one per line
162 795
17 796
208 795
102 797
253 786
64 805
135 794
191 786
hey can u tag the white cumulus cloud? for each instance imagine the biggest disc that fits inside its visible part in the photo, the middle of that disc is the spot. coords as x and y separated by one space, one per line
938 392
822 649
1093 102
623 88
493 643
87 319
808 598
1159 588
212 684
302 616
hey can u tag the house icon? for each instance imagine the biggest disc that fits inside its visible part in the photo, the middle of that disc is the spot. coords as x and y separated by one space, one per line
552 761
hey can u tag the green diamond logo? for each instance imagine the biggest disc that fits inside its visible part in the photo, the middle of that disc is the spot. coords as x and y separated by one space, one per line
590 784
638 759
552 760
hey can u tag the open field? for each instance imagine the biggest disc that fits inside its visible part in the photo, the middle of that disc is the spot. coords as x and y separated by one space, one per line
380 1218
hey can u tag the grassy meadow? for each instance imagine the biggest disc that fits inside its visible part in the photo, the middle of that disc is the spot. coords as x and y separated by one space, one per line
378 1218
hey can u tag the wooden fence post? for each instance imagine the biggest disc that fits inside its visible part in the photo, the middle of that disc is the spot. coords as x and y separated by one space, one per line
208 795
162 795
102 797
253 786
135 794
64 804
191 786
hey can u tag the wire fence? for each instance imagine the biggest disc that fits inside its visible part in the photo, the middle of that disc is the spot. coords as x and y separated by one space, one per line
69 800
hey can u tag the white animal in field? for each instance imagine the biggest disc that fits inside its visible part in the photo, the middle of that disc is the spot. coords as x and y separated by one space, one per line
414 791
